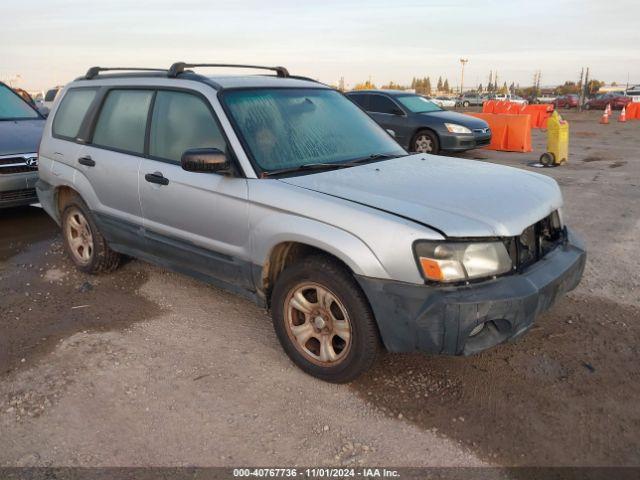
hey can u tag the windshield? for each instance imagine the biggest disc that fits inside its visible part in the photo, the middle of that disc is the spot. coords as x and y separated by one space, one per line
12 107
286 128
418 104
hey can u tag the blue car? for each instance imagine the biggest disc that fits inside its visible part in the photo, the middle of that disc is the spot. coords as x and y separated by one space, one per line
419 125
21 128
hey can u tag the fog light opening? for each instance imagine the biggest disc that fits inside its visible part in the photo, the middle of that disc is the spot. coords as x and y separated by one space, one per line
476 330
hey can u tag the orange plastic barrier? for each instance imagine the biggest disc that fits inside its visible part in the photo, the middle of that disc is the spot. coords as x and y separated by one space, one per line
510 133
488 106
539 114
633 111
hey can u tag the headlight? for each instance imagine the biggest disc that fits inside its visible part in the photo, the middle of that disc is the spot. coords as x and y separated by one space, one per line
454 128
460 261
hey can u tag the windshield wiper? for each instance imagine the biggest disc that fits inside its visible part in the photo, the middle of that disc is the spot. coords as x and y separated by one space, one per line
327 166
373 157
305 166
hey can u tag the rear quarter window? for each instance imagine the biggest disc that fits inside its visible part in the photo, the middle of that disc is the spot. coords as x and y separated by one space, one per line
72 110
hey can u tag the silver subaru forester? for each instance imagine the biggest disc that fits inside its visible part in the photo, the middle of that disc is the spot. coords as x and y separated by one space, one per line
279 188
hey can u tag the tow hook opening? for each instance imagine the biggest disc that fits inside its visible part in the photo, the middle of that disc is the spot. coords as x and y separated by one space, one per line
485 335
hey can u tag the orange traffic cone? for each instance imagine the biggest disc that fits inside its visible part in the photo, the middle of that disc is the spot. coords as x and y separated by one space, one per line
623 115
605 117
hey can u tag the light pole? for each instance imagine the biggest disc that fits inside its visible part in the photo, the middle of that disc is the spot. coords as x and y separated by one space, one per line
463 61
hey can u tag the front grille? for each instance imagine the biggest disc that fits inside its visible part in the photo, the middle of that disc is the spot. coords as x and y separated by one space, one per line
18 164
482 130
535 241
23 194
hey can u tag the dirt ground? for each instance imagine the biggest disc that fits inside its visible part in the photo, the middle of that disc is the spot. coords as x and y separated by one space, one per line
148 367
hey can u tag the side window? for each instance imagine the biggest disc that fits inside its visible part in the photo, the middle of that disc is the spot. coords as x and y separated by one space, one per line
182 121
72 110
380 104
361 99
123 120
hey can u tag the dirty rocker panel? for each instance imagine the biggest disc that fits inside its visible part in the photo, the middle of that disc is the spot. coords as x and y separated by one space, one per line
223 271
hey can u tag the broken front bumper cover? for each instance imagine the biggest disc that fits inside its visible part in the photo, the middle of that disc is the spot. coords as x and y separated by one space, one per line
439 319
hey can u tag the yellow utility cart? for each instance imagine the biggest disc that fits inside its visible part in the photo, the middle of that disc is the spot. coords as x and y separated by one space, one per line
557 141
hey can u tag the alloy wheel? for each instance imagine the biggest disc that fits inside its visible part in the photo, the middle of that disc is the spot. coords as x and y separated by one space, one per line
423 144
79 237
318 324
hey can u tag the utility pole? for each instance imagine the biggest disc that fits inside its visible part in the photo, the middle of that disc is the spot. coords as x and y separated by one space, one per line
463 62
584 89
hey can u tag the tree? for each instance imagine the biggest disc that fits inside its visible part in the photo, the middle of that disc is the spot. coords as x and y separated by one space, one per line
365 86
445 87
480 88
593 86
439 85
427 86
566 88
393 86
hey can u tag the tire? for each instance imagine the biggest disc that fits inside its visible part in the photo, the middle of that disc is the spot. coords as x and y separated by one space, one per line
547 159
83 242
425 141
335 339
465 104
587 106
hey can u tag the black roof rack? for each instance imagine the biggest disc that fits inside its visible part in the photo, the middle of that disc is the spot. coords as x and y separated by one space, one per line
94 71
179 67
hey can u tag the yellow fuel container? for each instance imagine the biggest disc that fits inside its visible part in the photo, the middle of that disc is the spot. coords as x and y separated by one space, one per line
557 141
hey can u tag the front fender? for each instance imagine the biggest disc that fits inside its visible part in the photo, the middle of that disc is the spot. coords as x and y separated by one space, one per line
268 232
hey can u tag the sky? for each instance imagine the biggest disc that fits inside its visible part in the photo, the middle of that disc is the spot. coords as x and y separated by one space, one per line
49 43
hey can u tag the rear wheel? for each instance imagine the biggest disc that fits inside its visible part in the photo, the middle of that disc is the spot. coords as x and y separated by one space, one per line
425 142
465 103
84 244
323 320
587 107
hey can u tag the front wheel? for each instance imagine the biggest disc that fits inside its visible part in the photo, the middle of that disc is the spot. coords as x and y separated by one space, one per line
323 320
425 142
587 107
465 104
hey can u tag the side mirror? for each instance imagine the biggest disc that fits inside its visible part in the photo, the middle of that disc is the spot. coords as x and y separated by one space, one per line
205 160
397 111
44 111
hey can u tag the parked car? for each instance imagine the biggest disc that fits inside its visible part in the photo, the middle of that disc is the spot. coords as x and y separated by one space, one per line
281 189
634 93
472 99
20 131
444 102
517 99
419 125
567 101
600 102
50 96
546 98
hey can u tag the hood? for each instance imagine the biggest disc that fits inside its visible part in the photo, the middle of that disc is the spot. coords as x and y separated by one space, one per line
461 198
459 118
21 136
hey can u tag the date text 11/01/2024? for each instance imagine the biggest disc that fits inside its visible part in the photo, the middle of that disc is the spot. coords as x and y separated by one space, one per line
316 472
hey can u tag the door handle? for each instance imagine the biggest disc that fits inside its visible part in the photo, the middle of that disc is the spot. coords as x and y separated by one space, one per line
87 160
156 177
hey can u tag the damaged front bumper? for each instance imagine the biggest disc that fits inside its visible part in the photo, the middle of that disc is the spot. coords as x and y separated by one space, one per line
440 319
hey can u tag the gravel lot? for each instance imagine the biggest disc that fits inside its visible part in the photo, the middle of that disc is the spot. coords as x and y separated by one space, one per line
148 367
